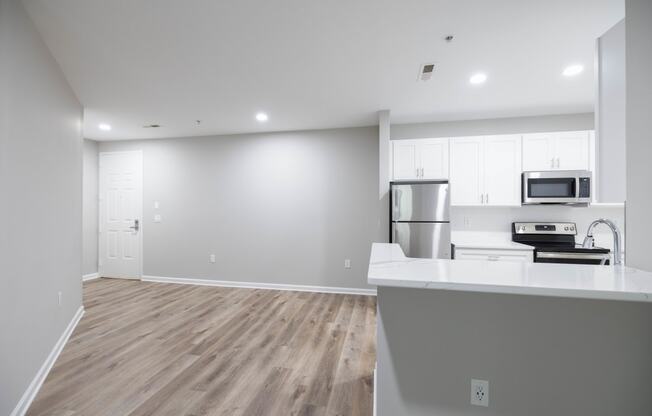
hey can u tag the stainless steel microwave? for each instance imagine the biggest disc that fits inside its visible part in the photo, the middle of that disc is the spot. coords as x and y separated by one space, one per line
571 187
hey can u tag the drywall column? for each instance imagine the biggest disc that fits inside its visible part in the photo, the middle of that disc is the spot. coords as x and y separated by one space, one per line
384 162
639 132
610 115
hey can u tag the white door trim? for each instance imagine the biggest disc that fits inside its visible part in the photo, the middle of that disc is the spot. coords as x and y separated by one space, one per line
142 222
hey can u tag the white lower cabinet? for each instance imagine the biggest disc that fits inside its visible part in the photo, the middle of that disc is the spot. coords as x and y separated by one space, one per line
485 170
525 256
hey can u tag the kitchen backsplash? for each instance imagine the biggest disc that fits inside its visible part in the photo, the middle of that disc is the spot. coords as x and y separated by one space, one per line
499 219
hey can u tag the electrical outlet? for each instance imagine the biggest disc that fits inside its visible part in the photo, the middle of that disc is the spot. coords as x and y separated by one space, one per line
480 392
60 298
347 263
211 258
157 218
467 222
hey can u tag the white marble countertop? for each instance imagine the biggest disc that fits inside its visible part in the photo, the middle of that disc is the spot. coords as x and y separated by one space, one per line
388 266
486 240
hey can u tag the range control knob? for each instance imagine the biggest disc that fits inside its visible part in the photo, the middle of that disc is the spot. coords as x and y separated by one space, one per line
565 228
572 228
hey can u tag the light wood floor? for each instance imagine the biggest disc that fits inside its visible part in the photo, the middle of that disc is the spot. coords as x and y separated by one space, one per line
165 349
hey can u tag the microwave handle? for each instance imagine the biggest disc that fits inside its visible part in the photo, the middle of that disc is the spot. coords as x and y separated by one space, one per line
577 187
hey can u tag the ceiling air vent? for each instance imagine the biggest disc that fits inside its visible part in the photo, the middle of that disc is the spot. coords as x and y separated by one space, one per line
425 72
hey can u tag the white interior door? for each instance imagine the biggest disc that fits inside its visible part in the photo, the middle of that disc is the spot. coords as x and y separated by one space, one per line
434 158
405 159
539 152
502 170
572 150
466 167
121 206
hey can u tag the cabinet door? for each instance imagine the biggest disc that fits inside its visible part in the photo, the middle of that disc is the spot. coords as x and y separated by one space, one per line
502 170
538 151
404 159
433 155
572 150
466 170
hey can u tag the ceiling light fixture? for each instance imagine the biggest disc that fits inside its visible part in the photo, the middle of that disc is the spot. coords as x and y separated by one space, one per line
104 127
478 78
572 70
262 117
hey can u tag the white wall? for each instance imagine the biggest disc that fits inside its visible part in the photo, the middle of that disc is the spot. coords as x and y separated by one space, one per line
639 132
610 114
499 219
90 206
515 125
281 208
40 203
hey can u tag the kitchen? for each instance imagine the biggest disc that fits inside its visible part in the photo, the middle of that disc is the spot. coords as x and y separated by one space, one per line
505 275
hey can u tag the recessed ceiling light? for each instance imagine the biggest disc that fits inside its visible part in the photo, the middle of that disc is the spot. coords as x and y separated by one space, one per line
104 127
261 117
573 70
478 78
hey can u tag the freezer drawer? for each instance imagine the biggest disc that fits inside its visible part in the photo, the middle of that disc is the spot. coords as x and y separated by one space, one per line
428 201
428 240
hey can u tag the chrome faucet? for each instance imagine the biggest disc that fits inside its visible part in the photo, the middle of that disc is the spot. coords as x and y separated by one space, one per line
590 243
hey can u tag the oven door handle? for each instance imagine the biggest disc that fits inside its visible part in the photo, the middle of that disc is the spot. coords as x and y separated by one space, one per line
573 256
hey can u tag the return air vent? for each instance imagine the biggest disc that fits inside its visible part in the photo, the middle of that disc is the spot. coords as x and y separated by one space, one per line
425 72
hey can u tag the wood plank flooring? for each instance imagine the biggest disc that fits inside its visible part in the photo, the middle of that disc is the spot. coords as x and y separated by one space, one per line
165 349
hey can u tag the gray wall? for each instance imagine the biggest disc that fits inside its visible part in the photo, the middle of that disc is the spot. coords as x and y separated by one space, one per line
541 355
282 208
40 202
513 125
639 133
610 115
90 195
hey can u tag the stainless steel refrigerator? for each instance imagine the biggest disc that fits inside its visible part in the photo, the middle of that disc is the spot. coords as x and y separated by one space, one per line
420 218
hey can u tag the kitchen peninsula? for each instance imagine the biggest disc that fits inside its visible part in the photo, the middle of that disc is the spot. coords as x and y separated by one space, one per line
549 338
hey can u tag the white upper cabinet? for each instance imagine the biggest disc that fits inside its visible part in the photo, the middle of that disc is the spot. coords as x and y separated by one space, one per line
556 151
572 149
434 158
466 171
502 170
420 159
405 163
486 170
539 151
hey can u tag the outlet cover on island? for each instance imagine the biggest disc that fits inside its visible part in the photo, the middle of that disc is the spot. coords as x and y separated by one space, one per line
480 392
347 263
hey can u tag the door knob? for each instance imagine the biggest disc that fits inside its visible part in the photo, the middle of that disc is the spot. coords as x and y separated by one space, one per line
136 226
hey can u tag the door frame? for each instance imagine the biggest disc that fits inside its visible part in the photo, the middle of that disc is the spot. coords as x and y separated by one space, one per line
100 203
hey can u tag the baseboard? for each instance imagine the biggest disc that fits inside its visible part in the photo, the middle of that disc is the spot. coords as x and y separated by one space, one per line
90 276
254 285
37 382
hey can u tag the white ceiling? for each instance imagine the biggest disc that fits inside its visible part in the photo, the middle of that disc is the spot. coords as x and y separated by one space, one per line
317 64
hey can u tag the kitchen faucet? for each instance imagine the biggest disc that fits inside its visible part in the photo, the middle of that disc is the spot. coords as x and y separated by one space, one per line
590 243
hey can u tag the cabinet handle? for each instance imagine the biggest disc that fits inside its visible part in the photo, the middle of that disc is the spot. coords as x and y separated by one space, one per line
557 162
422 172
417 174
486 198
481 198
552 162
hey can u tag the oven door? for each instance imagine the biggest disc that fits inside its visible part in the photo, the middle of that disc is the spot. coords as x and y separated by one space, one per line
556 187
